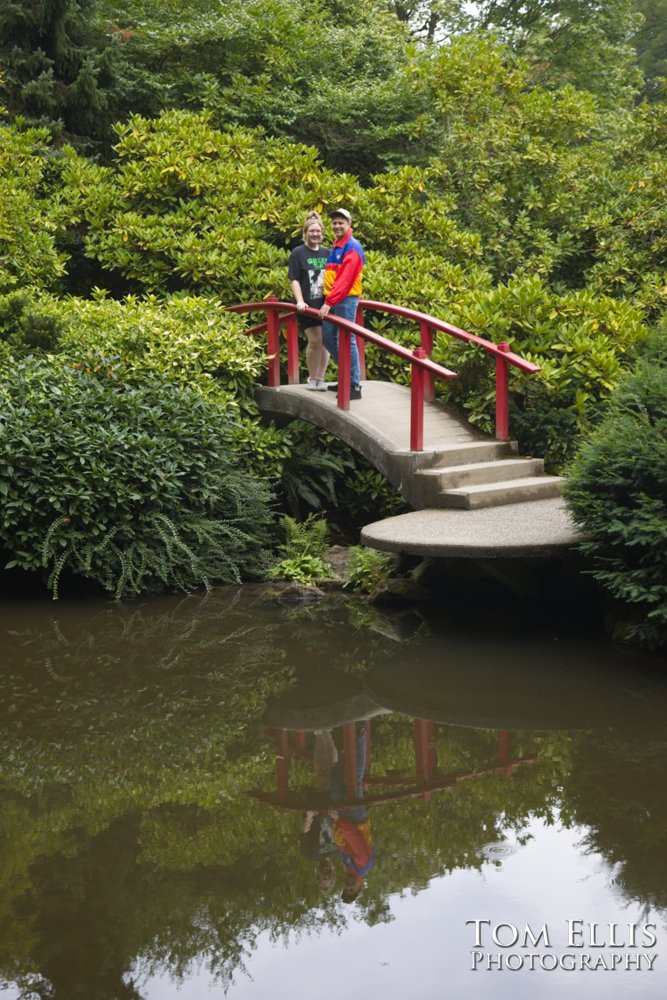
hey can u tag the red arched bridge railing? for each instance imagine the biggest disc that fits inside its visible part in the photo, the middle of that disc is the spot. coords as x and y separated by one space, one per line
423 371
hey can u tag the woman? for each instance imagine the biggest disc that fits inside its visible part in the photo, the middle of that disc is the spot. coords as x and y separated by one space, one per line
306 275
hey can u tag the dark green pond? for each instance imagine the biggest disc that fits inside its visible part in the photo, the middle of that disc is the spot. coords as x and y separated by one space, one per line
492 794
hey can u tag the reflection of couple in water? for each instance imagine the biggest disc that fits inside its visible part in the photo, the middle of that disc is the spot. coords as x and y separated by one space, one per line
338 830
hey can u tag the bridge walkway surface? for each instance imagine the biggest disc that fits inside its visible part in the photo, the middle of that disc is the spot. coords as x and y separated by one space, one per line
473 495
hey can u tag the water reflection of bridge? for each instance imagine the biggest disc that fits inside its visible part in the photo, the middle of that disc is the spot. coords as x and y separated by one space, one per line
426 779
330 700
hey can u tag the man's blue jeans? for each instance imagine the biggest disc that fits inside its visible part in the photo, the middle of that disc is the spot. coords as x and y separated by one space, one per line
356 813
347 309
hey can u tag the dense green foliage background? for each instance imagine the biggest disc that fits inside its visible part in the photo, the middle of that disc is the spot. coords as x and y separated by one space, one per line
504 164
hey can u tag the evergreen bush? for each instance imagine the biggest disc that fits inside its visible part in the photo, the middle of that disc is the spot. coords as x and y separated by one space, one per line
132 486
617 493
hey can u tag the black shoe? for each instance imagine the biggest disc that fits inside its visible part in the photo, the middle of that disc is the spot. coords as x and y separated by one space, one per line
355 390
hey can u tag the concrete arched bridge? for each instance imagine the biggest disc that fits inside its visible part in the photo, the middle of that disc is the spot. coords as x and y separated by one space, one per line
472 494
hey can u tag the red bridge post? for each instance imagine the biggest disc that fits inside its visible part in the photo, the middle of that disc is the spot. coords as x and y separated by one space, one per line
292 334
350 760
273 341
344 365
426 758
361 343
426 336
502 395
281 737
417 403
504 749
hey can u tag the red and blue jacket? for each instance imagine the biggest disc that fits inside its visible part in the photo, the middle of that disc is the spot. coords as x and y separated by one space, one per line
354 844
343 269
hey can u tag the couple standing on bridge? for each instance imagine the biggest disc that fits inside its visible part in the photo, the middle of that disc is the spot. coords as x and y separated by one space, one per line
329 281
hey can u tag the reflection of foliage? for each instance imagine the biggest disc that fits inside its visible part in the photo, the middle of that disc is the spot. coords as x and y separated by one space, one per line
227 871
627 814
131 686
130 737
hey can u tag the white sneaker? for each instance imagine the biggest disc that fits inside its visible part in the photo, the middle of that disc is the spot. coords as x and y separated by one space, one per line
321 386
313 384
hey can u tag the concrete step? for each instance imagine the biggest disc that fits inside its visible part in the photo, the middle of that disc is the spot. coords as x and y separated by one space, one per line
499 493
465 453
433 481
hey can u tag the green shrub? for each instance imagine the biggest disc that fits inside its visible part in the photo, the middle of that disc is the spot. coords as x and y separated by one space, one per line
188 206
617 492
654 346
364 495
304 538
30 220
313 463
29 321
628 219
192 342
301 569
132 486
189 340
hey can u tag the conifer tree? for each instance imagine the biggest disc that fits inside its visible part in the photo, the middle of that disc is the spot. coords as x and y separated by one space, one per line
57 69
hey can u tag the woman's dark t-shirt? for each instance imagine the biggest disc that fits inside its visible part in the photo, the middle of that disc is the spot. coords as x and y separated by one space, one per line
307 267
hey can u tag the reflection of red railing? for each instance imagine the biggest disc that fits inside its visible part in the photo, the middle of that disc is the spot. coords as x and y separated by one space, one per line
426 780
423 371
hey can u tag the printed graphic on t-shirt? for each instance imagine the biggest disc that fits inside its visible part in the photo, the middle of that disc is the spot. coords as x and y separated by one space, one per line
316 279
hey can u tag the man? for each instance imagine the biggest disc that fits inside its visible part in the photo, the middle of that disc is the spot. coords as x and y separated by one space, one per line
342 288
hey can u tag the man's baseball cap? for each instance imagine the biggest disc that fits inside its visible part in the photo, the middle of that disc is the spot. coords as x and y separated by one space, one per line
341 211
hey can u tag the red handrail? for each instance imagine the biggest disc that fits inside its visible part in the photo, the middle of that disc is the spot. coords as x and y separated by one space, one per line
278 312
504 357
423 370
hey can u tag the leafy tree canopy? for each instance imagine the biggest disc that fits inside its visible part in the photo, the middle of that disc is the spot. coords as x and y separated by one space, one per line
334 75
650 41
587 44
